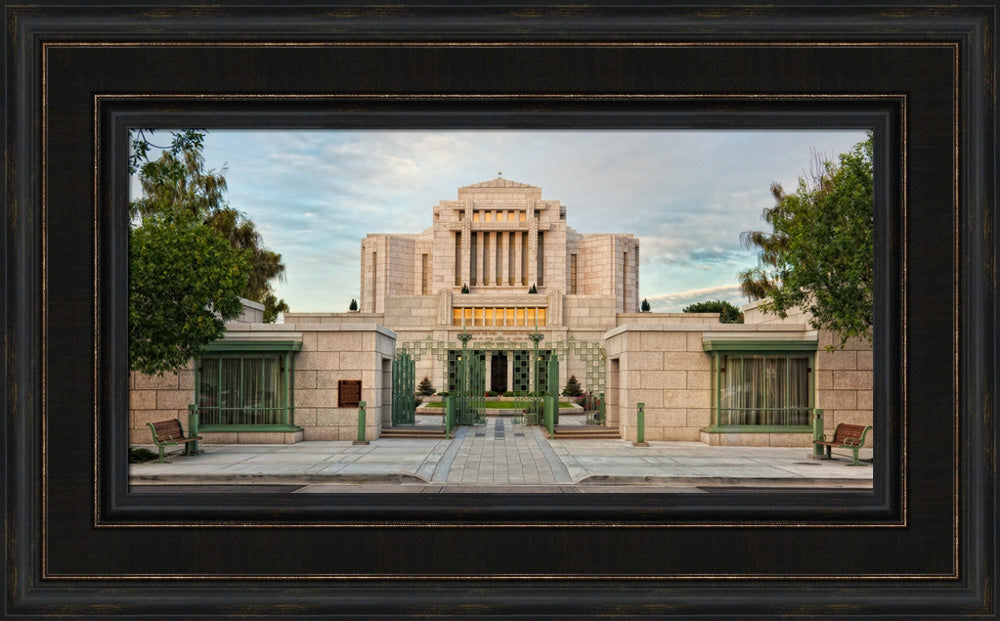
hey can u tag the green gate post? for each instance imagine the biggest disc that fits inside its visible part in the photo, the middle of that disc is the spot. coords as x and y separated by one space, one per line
361 424
549 415
535 392
640 426
449 415
600 409
552 382
818 452
192 447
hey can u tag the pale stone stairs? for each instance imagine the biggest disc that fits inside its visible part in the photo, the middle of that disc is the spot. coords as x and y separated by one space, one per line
585 432
413 432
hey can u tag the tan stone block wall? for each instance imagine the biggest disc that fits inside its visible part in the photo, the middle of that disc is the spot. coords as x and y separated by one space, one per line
588 311
402 311
674 384
155 398
595 265
844 384
330 352
341 355
757 439
664 365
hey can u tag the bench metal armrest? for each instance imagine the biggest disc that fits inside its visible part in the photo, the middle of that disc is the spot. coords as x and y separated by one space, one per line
852 442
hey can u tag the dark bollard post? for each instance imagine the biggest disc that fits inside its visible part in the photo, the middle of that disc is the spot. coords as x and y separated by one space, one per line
640 426
817 435
361 424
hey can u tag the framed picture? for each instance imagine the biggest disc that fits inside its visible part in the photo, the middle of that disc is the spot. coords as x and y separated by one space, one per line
81 79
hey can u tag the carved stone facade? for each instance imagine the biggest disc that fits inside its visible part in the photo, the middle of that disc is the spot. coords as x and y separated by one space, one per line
474 271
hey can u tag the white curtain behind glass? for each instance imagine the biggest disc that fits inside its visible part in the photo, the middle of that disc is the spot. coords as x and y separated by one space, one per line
764 390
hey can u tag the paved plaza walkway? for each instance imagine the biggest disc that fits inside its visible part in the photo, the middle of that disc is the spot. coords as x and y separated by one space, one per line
502 456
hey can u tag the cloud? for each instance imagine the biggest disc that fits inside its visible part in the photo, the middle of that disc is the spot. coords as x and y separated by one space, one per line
676 301
685 194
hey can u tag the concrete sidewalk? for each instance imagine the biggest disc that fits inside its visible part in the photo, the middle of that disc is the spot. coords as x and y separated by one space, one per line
503 456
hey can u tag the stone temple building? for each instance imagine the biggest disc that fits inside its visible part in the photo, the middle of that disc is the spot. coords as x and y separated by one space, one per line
501 264
520 266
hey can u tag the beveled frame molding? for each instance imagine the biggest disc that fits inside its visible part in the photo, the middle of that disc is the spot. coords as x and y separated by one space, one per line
65 579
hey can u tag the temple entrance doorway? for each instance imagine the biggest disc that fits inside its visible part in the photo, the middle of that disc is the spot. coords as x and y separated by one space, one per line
498 372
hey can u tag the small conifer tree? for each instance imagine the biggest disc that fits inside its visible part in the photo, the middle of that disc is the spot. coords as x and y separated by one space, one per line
573 388
645 306
425 388
532 289
354 305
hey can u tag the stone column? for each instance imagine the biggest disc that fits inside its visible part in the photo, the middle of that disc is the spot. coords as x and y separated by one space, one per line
494 253
532 248
510 370
466 250
517 257
479 257
491 260
488 380
504 238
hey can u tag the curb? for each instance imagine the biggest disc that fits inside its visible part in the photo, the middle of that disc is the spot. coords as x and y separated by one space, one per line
599 479
274 479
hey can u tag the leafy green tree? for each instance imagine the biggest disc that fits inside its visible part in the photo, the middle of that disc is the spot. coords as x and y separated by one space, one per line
177 185
184 284
265 265
425 388
728 313
573 388
142 142
819 255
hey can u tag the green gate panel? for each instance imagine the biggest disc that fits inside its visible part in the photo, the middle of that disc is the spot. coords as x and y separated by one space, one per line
404 406
463 372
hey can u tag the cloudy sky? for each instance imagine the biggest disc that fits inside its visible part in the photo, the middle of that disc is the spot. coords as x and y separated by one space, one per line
687 195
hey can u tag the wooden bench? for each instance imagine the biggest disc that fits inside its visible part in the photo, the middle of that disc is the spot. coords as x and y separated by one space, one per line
845 436
169 433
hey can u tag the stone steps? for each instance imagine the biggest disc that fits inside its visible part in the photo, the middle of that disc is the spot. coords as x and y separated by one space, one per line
586 432
416 431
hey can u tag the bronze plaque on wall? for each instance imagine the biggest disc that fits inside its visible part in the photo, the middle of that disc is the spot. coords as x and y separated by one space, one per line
348 393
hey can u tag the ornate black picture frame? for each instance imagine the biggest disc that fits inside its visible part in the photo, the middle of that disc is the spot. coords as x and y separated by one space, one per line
78 77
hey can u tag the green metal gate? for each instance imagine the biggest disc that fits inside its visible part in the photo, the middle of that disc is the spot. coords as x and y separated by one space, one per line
469 396
462 370
404 406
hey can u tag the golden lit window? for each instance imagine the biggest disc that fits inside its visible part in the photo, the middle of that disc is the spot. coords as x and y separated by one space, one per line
520 317
479 317
468 316
488 313
541 316
489 216
522 216
475 216
510 316
456 317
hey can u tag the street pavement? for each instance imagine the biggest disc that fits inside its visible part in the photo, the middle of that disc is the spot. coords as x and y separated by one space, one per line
502 456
